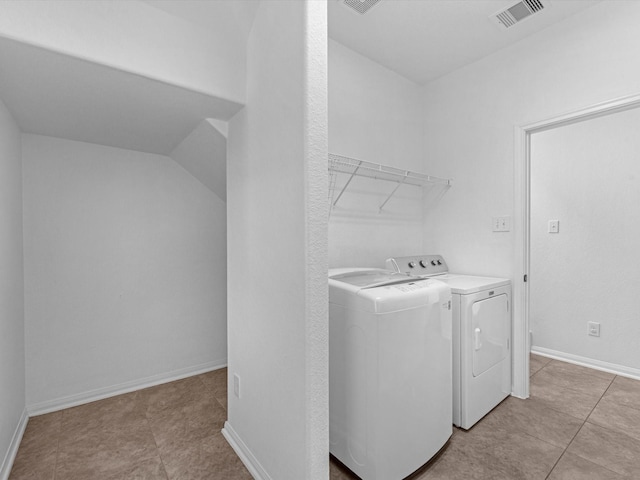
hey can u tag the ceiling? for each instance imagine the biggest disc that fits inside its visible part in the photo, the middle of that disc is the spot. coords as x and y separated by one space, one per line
58 95
238 15
62 96
418 39
426 39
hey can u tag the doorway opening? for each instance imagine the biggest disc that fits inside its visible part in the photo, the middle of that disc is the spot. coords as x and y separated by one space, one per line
523 234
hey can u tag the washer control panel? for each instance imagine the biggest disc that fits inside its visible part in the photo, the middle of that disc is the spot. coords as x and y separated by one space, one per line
419 265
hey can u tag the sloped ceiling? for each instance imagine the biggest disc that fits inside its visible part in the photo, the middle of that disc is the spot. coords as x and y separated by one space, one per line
54 94
203 154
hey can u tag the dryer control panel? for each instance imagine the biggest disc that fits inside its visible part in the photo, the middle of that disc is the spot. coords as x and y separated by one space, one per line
419 265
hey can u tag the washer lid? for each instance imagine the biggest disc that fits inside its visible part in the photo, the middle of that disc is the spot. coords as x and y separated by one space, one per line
370 278
381 291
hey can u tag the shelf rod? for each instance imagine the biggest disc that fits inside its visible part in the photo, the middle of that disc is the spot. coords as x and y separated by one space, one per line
353 174
406 173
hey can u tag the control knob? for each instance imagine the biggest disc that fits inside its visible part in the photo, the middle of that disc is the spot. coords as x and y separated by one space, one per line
423 263
412 264
433 262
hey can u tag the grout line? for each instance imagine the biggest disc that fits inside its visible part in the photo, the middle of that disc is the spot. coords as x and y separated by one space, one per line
579 429
558 461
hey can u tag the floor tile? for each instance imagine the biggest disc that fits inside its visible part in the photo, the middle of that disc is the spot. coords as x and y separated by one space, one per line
110 412
192 421
610 414
608 448
215 379
174 395
172 432
36 457
577 403
516 454
152 469
572 467
104 451
211 458
534 417
574 369
40 465
575 377
536 363
457 462
625 391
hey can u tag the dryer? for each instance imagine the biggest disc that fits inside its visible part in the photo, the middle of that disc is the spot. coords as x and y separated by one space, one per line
390 378
481 335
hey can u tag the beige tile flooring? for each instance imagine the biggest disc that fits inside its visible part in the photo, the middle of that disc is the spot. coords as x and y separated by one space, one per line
578 424
171 431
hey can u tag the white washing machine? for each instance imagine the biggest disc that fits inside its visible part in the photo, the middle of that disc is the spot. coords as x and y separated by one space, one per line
390 378
481 335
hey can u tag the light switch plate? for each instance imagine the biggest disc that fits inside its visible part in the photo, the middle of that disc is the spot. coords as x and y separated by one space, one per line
501 224
554 226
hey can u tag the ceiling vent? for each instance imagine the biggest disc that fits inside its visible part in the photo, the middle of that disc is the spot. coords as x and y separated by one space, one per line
361 6
518 12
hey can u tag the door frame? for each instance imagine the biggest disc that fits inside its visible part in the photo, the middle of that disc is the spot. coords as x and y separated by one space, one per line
522 219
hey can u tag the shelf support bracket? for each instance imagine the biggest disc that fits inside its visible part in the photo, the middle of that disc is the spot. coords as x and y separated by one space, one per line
353 174
393 192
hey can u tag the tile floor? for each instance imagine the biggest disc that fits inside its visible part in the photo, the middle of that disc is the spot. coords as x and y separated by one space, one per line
578 424
171 431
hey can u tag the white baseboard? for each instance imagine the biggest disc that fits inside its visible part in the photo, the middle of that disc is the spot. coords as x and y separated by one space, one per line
250 461
588 362
9 458
106 392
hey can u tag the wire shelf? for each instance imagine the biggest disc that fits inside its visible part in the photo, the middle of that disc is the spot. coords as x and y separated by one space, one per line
361 168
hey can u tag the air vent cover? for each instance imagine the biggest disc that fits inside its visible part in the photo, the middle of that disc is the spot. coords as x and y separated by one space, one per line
361 6
518 12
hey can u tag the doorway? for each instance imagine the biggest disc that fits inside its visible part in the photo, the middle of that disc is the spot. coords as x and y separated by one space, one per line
527 231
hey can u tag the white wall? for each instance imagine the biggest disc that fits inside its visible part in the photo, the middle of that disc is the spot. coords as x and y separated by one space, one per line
586 175
470 116
374 115
133 36
277 248
12 371
125 270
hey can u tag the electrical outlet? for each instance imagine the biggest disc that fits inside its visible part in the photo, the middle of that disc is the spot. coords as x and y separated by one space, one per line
236 385
593 329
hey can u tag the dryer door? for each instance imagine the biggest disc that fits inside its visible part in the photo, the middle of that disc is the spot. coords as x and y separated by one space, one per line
490 330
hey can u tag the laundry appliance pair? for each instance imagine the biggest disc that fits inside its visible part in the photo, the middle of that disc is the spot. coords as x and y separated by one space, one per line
412 349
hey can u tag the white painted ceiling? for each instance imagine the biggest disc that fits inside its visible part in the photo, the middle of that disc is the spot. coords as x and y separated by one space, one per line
239 14
425 39
57 95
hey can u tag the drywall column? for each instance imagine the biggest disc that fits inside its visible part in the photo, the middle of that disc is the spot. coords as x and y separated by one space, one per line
277 248
12 371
